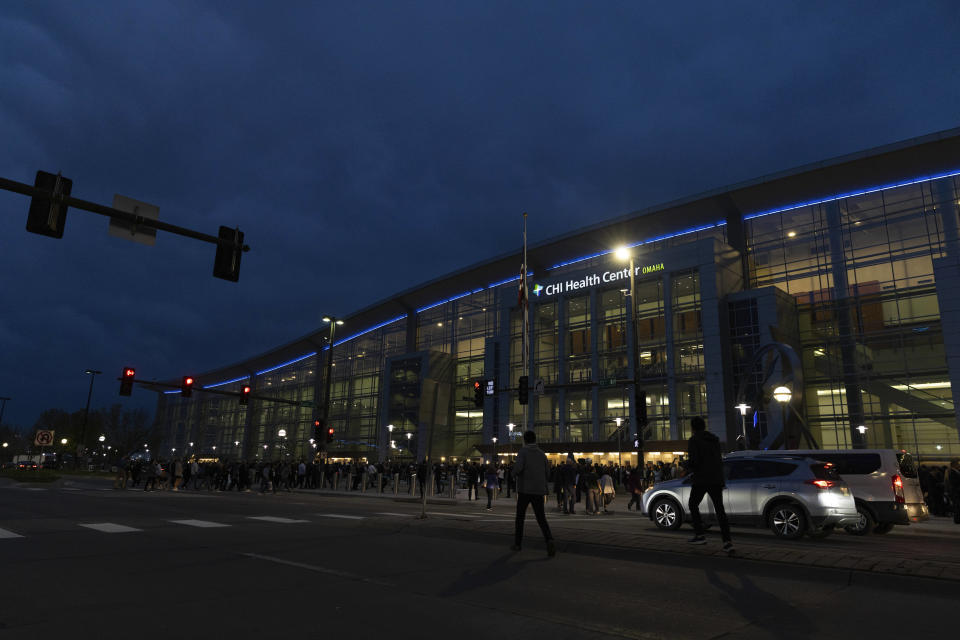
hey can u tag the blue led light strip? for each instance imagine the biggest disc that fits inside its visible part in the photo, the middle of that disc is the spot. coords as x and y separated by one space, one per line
220 384
852 194
450 299
284 364
365 331
667 236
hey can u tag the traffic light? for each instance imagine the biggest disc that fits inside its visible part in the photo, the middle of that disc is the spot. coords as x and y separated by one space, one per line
524 389
126 381
48 214
318 432
329 434
245 394
226 264
186 386
478 393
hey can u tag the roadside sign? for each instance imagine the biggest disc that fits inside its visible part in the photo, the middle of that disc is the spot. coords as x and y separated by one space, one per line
129 231
538 387
44 437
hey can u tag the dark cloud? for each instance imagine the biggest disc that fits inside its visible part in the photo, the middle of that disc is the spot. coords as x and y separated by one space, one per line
358 144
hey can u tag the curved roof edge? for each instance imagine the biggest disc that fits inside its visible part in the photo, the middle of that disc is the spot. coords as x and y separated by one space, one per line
879 167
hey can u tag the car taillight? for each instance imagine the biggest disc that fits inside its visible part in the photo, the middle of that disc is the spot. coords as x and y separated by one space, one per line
897 482
823 484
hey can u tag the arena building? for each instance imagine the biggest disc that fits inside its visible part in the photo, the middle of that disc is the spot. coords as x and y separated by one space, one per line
850 268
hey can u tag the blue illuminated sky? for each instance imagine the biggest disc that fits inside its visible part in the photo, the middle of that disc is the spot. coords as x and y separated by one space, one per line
365 147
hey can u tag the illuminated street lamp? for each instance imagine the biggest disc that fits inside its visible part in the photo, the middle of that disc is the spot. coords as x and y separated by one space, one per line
494 451
283 438
862 429
782 395
742 408
62 441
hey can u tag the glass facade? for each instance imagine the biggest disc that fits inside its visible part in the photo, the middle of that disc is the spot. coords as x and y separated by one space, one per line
854 293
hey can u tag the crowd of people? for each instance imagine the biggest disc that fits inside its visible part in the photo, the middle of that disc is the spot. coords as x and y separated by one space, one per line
574 482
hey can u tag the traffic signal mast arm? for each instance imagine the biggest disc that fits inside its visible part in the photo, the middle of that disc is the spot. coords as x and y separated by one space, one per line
236 394
30 190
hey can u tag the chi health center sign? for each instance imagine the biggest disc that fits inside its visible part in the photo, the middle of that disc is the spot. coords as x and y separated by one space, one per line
594 279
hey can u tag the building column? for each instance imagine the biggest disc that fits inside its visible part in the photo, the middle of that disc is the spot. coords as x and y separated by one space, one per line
630 309
563 434
594 366
667 293
844 318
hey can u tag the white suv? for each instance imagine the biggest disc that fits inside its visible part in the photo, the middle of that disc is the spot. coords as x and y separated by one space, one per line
884 483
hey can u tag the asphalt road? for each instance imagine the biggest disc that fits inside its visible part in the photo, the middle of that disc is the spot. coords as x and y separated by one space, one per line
91 562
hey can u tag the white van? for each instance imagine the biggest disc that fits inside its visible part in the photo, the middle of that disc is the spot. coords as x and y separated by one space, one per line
884 483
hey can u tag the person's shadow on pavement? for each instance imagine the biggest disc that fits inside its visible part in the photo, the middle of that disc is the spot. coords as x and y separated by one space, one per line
497 571
763 609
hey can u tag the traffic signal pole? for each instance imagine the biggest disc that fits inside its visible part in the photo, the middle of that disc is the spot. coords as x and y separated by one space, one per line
234 240
235 394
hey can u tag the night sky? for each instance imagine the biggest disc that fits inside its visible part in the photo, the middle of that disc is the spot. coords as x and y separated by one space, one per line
367 147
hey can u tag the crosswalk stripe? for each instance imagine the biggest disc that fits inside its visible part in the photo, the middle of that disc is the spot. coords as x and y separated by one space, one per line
337 515
388 513
109 527
9 534
275 519
451 515
202 524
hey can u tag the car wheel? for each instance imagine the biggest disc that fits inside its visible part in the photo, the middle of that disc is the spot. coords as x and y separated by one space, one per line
822 532
788 521
883 527
666 514
866 524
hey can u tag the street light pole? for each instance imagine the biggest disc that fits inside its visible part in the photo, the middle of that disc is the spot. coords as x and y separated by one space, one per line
328 382
3 405
93 373
742 407
624 253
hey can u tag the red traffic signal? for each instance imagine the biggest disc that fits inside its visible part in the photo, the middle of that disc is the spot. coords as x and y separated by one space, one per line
186 386
478 393
245 394
126 381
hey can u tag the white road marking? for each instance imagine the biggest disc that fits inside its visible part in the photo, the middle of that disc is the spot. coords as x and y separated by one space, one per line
9 534
109 527
275 519
311 567
337 515
203 524
401 515
451 515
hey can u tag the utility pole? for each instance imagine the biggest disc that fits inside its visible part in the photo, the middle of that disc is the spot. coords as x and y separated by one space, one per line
93 373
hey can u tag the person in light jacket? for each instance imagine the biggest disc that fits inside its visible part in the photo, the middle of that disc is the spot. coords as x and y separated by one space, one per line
531 472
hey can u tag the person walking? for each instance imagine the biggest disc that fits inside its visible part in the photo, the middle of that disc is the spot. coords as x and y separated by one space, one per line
473 481
591 489
635 487
568 479
531 471
706 465
490 483
951 488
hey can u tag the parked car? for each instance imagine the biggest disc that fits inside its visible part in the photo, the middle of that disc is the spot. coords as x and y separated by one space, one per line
884 482
792 495
24 465
9 464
